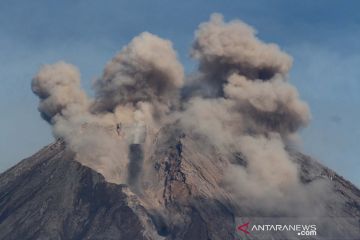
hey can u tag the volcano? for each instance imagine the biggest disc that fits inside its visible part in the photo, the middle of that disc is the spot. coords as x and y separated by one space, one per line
51 196
157 154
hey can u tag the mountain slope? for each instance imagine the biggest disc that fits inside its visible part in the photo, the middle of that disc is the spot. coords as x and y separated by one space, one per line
51 196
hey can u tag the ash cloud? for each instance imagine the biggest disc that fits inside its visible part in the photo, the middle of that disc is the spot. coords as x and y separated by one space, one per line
274 105
239 99
132 98
58 87
247 106
252 74
224 48
147 70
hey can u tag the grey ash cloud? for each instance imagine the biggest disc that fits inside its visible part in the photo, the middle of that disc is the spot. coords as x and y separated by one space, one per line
243 103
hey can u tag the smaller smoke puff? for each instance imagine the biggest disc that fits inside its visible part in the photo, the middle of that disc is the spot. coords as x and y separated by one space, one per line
58 87
147 70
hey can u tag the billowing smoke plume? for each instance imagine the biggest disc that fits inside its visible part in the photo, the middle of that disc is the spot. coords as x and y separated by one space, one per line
252 74
274 104
248 107
146 70
242 103
138 87
226 48
58 87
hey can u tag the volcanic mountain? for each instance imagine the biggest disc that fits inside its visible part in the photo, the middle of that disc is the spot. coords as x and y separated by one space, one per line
51 196
156 153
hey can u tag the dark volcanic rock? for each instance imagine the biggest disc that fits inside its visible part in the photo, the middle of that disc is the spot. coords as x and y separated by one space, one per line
50 196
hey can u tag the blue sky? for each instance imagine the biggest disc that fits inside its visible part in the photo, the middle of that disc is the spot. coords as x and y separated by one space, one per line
322 36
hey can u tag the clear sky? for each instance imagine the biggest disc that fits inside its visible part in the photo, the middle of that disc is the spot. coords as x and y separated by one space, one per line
322 36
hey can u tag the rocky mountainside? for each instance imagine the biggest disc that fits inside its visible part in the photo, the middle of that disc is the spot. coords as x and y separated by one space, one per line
51 196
